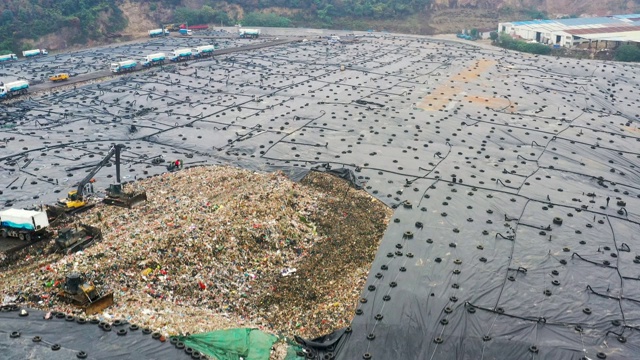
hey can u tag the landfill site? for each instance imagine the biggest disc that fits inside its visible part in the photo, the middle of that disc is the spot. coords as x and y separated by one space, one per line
315 194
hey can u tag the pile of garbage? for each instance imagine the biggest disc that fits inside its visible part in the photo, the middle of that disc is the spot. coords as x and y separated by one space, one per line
220 247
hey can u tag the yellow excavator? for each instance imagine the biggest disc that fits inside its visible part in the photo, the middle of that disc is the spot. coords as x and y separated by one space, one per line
77 199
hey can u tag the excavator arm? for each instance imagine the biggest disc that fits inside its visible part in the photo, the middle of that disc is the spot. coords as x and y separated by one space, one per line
84 185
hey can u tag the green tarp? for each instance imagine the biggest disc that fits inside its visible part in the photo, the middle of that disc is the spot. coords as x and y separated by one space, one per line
232 344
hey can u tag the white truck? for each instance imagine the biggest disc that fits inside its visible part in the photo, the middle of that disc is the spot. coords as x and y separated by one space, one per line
123 66
13 88
181 54
202 51
35 52
23 224
8 57
154 59
158 32
249 33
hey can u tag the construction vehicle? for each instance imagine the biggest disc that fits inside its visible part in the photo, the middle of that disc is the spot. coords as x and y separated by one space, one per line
158 32
154 59
14 88
249 33
203 51
185 32
78 291
23 224
124 66
72 239
35 52
175 165
115 196
8 57
59 77
172 27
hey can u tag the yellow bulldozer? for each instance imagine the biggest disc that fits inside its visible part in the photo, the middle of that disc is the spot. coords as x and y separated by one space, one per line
84 294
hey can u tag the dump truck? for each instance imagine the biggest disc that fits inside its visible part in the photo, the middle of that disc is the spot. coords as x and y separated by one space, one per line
158 32
23 224
154 59
59 77
14 88
203 51
123 66
8 57
185 32
249 33
181 54
80 292
80 237
34 52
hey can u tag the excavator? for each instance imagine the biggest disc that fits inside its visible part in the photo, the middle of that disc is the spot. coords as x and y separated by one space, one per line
77 199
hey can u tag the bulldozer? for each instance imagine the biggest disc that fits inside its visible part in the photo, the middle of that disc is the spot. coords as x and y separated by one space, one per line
72 239
116 197
78 291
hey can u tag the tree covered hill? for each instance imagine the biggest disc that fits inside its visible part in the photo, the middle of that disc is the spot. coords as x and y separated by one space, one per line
57 24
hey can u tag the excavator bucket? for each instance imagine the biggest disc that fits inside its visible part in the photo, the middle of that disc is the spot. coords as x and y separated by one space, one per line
99 304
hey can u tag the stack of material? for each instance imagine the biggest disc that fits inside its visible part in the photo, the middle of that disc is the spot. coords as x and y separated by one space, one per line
215 248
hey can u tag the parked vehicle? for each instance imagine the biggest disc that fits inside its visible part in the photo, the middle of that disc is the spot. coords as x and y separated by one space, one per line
185 32
14 88
194 27
124 66
154 59
8 57
203 51
249 33
35 52
59 77
23 224
181 55
158 32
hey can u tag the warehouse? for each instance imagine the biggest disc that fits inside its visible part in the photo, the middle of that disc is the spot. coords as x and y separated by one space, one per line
599 31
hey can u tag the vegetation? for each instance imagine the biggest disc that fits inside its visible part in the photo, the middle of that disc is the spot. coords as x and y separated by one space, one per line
204 15
508 42
628 53
265 19
31 19
23 21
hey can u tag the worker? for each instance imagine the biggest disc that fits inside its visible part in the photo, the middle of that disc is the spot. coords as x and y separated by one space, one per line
177 164
608 198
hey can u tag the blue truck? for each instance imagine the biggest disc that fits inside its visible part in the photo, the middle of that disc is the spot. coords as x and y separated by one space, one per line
124 66
185 32
14 88
154 59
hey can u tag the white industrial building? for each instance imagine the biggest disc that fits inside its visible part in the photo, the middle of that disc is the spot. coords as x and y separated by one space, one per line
571 32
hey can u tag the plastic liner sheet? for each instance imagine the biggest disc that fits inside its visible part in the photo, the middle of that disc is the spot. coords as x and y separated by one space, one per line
514 178
232 344
33 337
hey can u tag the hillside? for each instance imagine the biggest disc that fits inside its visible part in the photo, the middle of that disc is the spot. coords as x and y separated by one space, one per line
60 24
